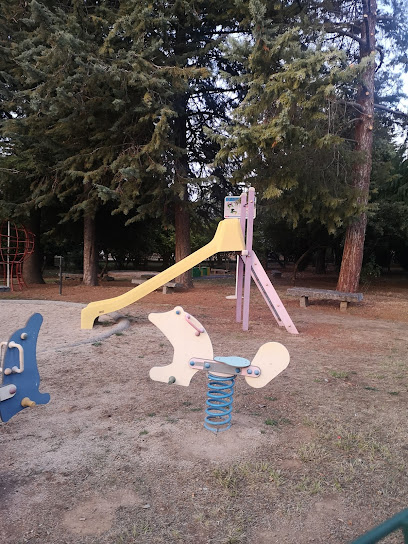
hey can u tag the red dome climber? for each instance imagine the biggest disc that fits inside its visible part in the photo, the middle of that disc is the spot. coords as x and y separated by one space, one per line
16 245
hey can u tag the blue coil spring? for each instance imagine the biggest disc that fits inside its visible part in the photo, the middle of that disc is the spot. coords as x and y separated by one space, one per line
219 403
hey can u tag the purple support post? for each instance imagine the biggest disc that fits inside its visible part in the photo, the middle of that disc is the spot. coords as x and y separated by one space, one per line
271 297
250 263
248 258
240 266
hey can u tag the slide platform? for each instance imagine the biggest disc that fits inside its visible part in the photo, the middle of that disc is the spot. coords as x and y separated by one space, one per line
228 237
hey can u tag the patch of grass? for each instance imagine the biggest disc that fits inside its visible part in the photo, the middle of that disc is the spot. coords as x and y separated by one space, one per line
240 476
371 388
187 403
394 393
118 333
271 398
97 344
259 471
151 414
342 375
312 451
308 422
361 444
143 432
195 409
309 485
272 422
285 421
235 536
226 477
141 528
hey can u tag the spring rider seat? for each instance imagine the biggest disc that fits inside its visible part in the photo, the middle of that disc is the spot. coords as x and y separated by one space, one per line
193 352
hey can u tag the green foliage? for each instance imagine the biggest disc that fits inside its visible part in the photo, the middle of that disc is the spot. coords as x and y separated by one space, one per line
289 134
387 231
110 104
293 134
370 270
107 109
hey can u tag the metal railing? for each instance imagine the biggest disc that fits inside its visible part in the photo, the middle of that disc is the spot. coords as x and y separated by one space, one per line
399 521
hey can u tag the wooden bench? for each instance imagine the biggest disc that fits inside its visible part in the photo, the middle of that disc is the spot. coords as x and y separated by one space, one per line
147 276
324 294
167 288
217 271
72 276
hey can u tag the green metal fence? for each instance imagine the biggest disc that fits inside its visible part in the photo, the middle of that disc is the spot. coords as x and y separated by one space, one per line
400 521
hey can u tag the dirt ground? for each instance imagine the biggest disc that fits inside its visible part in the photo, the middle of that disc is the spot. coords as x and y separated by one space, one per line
319 455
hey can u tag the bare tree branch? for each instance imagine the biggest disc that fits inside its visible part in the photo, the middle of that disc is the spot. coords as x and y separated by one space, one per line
381 51
333 29
12 170
358 107
389 110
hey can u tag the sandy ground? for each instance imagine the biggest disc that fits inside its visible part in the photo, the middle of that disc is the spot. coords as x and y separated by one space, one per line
318 455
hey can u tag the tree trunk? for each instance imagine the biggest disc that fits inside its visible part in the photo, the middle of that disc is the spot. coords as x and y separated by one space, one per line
297 263
320 261
32 267
352 260
90 252
182 215
183 247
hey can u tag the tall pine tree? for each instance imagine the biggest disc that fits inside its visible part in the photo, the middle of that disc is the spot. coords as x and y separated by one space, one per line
184 41
83 117
304 131
115 101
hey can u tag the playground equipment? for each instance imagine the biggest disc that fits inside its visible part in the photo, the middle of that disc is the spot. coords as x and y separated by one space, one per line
249 266
16 245
193 352
19 376
230 236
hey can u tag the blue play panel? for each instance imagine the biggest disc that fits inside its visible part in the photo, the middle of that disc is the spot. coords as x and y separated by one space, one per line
26 383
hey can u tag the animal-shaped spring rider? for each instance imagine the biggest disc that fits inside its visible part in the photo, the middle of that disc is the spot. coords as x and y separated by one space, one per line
193 351
19 376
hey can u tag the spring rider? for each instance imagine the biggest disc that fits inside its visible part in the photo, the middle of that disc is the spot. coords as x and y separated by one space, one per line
19 376
193 351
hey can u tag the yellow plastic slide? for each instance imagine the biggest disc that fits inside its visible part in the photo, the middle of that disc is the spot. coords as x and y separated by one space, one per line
228 237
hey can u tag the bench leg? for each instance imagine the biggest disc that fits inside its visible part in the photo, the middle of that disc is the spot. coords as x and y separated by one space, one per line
167 289
304 302
343 306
